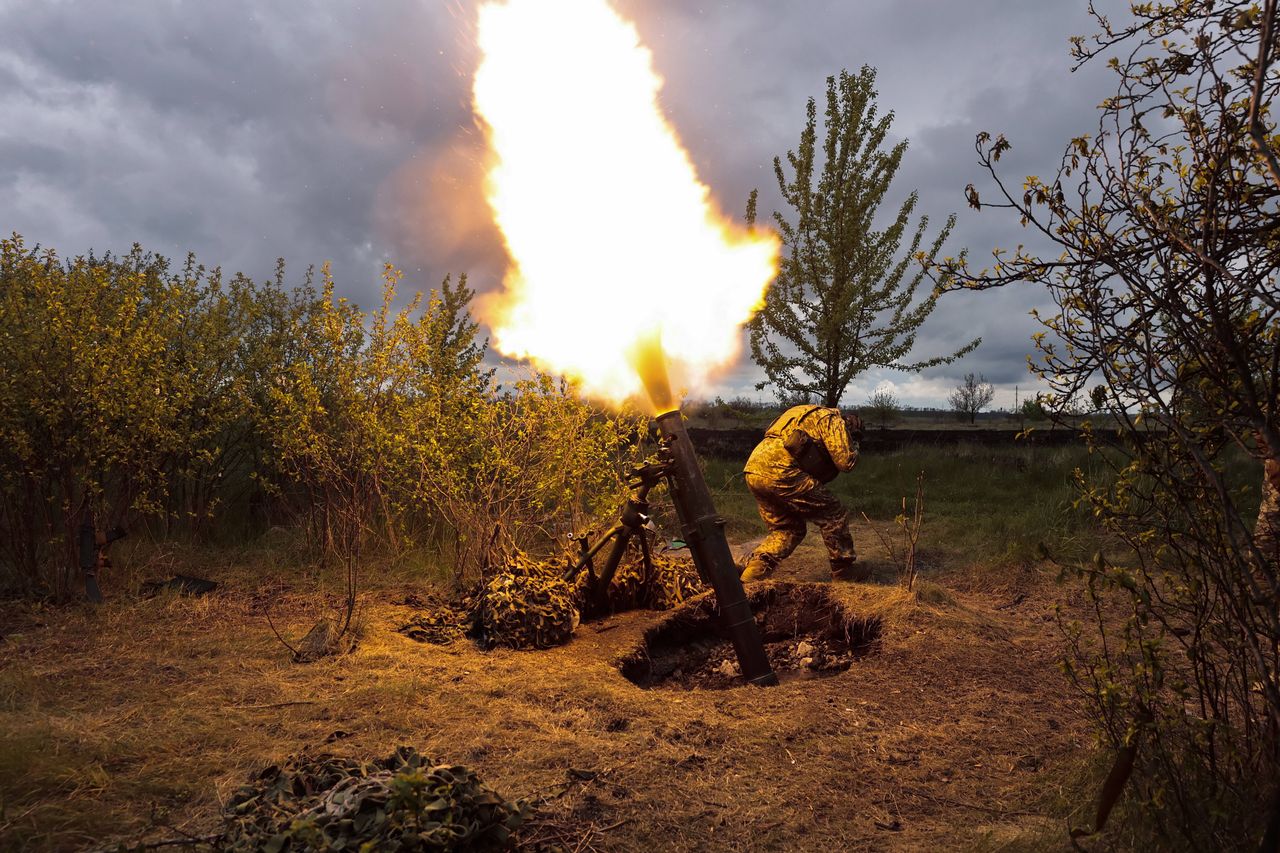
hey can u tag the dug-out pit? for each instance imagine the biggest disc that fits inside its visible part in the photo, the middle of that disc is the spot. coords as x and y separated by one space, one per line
807 632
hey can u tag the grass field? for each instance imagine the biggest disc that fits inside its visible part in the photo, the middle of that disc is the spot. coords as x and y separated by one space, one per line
136 720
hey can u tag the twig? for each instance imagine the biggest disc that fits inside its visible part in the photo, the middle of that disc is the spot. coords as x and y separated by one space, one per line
976 806
888 546
277 633
272 705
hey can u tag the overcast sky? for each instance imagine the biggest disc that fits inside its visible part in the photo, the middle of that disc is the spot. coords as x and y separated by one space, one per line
245 131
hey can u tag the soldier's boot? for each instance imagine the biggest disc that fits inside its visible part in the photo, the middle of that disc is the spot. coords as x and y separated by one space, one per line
757 569
849 569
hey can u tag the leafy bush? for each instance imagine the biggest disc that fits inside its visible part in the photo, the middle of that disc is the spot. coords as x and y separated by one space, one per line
120 393
134 394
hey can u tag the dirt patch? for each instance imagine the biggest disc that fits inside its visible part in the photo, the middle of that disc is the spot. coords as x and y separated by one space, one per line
807 632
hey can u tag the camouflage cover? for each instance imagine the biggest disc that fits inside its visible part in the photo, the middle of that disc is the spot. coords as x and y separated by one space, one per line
674 580
405 802
526 605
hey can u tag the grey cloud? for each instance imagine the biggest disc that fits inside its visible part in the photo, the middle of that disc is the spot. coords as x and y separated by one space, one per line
340 130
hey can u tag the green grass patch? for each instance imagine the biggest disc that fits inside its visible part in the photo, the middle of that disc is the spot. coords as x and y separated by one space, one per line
990 503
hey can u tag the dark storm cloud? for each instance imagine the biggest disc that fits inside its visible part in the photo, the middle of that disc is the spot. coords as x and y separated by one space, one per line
323 130
241 131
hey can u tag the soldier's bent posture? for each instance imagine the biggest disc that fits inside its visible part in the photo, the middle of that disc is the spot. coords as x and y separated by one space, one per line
788 497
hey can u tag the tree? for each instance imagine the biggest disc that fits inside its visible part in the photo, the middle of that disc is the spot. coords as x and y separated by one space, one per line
1098 397
883 406
842 302
104 362
1033 410
971 396
1163 270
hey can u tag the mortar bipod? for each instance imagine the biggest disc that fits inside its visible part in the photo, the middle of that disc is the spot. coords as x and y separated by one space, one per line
632 520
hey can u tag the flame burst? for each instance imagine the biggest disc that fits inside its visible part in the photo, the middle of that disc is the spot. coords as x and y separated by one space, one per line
617 252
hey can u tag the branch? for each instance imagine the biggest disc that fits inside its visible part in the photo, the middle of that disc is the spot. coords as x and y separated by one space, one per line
1259 76
278 637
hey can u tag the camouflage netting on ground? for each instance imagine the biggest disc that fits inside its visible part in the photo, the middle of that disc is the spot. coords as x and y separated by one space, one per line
405 802
440 626
526 605
673 581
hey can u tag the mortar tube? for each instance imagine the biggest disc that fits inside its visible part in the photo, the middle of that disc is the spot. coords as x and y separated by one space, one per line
703 530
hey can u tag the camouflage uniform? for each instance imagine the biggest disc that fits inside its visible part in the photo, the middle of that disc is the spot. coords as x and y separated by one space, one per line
788 497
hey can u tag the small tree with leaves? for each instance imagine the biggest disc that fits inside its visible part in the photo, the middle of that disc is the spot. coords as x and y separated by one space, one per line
883 407
971 396
1098 397
844 301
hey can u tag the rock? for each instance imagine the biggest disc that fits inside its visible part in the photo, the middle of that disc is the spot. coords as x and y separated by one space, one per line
728 668
321 641
804 649
806 661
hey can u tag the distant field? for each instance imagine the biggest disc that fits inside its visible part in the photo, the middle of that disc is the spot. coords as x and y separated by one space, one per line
981 503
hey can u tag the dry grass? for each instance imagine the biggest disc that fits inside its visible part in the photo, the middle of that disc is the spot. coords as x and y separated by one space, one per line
118 721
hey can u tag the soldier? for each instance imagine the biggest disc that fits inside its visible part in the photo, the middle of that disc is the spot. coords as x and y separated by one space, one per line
803 449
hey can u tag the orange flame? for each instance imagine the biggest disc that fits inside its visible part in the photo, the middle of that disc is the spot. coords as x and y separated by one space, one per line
617 252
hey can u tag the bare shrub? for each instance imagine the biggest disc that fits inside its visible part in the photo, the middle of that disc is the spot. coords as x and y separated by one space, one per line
908 522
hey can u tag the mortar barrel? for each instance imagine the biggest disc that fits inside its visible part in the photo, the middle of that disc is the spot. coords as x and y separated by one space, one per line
703 530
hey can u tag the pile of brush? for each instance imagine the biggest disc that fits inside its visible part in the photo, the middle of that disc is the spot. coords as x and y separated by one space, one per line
405 802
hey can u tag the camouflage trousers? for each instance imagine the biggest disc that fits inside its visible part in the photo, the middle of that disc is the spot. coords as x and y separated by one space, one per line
785 509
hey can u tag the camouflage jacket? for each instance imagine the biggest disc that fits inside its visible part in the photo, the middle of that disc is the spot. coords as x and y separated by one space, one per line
771 461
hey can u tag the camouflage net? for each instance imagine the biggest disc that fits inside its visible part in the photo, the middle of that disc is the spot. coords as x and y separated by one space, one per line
673 581
405 802
440 626
526 605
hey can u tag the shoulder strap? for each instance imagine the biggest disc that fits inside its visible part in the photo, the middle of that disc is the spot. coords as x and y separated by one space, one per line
812 409
779 425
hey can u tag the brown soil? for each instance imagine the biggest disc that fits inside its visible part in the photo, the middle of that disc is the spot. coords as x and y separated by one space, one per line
954 734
